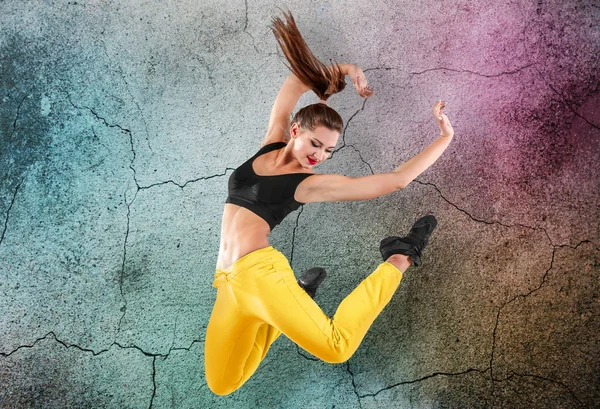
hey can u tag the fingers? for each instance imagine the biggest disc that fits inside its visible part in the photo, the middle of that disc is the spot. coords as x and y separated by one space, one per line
360 83
438 110
442 119
366 92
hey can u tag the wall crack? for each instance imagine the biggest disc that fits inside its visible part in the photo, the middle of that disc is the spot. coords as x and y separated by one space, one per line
433 375
361 158
14 130
246 17
128 88
563 99
122 275
245 29
484 221
358 396
494 333
153 382
346 127
106 123
196 341
460 71
188 181
543 378
100 118
8 210
512 72
294 234
67 345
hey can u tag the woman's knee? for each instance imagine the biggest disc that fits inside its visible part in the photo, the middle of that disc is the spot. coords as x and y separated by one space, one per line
220 388
216 379
336 355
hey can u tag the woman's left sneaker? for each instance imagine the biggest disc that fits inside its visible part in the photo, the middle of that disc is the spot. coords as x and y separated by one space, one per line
311 279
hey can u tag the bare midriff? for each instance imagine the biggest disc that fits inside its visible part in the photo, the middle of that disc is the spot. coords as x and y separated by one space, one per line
242 232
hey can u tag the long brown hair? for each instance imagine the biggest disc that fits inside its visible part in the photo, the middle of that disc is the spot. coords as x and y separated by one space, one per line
323 80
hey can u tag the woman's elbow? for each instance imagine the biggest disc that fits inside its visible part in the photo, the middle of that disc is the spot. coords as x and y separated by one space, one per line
386 190
402 184
398 181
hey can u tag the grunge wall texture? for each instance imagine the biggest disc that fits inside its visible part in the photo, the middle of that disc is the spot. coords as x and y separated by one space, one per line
121 121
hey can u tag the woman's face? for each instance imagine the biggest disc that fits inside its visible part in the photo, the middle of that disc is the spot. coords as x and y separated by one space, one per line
313 147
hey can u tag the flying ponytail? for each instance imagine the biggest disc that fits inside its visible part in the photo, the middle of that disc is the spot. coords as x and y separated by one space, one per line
323 80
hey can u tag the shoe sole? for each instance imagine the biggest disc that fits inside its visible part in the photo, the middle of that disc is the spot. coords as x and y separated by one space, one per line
313 277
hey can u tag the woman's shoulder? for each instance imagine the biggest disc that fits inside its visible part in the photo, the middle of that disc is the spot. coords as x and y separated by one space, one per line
273 146
314 187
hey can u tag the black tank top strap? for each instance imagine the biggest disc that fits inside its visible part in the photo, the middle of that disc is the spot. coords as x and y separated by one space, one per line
270 147
271 197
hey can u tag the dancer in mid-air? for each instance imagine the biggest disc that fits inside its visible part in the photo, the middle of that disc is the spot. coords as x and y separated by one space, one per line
258 296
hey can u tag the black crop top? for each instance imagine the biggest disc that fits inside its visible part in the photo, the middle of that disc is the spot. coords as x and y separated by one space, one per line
270 197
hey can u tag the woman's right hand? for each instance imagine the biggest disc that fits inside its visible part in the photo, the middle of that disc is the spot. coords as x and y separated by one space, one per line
360 81
442 120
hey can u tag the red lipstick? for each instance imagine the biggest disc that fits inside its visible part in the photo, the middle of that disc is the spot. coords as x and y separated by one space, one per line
312 162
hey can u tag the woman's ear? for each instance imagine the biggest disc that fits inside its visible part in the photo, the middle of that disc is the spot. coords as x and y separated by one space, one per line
294 129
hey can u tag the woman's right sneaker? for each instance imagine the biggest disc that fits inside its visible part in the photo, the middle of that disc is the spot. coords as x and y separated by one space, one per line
411 245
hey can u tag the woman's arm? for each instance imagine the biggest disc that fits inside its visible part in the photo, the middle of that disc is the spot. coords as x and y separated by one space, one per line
358 79
409 170
289 94
333 188
287 98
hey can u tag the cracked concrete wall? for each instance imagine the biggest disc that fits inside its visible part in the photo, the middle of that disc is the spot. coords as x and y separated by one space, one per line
120 123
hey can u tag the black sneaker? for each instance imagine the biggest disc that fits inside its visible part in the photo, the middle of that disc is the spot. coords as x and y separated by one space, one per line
311 279
411 245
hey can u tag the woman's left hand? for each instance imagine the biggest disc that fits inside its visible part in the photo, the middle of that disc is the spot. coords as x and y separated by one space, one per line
442 120
360 81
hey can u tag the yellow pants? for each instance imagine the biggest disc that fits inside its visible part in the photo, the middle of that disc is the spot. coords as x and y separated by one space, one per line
258 298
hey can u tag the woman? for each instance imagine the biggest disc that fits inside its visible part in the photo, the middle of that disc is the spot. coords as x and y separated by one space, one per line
258 297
